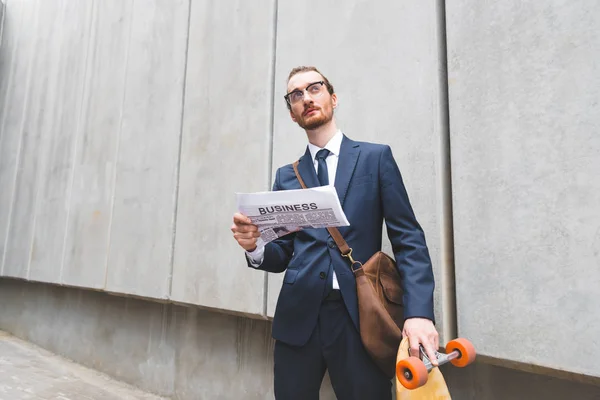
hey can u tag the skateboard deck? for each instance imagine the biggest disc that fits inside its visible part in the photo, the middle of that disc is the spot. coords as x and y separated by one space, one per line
434 389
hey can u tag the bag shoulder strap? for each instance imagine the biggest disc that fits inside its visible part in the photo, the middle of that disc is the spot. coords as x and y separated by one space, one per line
334 232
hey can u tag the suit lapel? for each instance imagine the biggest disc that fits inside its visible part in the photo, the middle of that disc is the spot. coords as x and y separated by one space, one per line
349 152
306 169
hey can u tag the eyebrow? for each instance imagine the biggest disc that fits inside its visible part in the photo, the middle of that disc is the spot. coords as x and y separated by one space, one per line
297 88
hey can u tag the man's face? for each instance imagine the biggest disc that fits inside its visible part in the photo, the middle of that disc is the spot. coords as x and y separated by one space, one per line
315 108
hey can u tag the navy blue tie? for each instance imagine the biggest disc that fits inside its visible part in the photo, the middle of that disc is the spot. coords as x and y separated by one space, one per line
322 166
324 180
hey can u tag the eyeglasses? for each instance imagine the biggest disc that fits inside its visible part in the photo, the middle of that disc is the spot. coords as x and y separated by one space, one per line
296 96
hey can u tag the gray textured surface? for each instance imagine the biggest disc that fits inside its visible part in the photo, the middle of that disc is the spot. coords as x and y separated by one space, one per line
489 382
28 372
225 149
1 17
91 123
383 61
93 181
190 354
525 116
13 74
143 214
169 350
18 152
58 82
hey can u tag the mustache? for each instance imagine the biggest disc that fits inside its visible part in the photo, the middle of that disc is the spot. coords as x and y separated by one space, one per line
309 108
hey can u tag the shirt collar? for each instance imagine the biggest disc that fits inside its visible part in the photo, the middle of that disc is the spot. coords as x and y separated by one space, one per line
334 145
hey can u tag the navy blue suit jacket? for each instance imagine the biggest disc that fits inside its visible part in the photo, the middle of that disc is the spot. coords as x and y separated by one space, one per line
370 189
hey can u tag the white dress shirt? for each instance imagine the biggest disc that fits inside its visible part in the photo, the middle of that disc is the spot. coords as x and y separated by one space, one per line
256 257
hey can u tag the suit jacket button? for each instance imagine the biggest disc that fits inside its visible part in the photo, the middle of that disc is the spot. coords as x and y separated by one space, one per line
322 275
331 245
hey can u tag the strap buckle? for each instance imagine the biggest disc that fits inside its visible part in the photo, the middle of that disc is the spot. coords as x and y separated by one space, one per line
349 256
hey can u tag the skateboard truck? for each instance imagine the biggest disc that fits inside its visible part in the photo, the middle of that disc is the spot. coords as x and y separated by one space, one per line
442 358
412 372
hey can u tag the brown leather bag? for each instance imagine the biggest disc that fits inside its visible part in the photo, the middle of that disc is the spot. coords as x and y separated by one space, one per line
380 307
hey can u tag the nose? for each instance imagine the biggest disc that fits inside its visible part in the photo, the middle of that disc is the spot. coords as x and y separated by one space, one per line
307 99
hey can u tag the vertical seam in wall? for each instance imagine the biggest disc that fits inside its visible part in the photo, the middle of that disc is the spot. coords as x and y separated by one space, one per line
271 134
178 167
19 149
78 130
449 324
42 159
114 180
38 181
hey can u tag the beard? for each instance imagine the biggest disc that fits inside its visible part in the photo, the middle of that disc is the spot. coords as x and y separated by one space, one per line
313 122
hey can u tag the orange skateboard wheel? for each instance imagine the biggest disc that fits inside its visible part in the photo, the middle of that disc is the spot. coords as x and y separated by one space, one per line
411 372
466 350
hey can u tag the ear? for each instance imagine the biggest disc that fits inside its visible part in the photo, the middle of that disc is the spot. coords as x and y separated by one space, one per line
334 100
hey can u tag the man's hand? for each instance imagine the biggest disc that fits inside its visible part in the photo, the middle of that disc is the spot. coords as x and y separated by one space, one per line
244 232
422 331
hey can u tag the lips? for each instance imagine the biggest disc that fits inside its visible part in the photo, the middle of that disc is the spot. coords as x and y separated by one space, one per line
309 111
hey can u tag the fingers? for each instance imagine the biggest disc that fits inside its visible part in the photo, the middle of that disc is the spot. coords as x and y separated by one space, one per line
244 228
429 345
247 240
430 351
246 235
245 232
414 343
422 332
243 224
241 219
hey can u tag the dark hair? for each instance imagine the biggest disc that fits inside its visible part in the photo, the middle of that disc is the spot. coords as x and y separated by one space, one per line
300 69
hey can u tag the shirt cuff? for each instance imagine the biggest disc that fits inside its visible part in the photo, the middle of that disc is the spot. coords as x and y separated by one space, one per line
257 256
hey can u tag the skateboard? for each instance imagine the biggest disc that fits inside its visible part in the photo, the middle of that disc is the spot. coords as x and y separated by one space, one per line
417 378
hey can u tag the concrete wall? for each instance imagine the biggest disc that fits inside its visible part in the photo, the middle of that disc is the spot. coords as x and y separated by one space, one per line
116 120
524 85
126 127
225 148
119 149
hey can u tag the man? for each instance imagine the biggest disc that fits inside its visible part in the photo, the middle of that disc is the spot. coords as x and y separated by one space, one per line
316 319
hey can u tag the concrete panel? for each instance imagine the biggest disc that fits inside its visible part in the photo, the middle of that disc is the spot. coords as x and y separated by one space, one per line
490 382
141 234
13 76
244 351
525 116
66 29
383 61
175 351
86 244
225 149
78 328
32 56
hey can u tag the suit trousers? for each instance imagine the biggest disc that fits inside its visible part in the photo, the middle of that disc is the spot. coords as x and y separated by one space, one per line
334 345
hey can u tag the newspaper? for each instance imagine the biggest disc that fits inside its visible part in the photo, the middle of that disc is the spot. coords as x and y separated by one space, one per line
281 212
